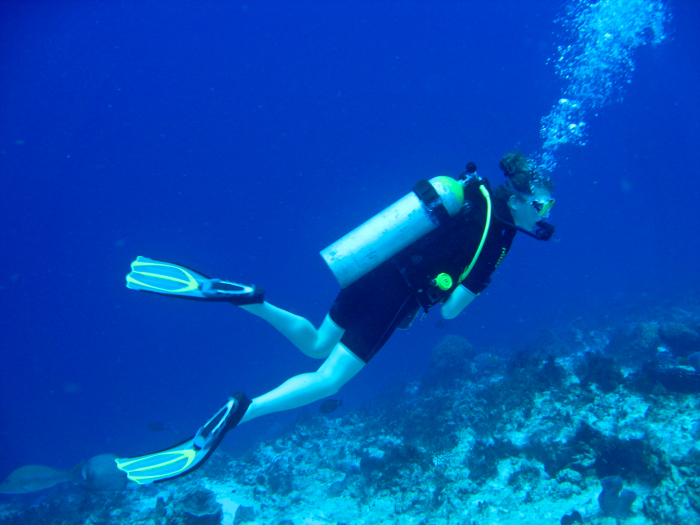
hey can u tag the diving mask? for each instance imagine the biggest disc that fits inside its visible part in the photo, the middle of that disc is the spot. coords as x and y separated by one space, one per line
543 206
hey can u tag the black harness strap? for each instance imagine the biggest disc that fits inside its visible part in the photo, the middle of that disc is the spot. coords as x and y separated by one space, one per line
427 194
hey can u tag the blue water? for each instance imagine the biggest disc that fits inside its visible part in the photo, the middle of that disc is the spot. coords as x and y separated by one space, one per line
242 138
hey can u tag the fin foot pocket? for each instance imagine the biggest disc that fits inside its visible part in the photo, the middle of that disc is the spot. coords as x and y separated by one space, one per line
164 278
190 454
236 293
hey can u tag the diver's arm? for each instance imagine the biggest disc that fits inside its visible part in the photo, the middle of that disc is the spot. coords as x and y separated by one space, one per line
457 301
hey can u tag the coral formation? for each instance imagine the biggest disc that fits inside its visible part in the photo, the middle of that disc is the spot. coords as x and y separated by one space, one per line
600 369
614 500
450 360
682 339
519 438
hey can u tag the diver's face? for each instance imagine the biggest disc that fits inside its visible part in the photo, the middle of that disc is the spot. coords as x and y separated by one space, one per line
524 209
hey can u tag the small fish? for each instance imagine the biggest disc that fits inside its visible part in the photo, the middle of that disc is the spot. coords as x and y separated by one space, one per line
336 489
330 405
570 519
694 360
157 426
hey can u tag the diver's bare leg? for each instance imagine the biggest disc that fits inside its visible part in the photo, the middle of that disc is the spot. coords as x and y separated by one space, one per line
314 343
338 369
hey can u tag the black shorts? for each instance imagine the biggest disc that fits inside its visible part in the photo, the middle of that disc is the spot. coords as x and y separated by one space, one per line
371 308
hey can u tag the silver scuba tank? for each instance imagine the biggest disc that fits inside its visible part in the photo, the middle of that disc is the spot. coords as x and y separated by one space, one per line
393 229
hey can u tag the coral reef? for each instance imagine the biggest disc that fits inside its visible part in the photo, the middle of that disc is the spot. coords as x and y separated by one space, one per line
614 500
570 519
636 343
682 339
450 360
196 507
544 434
600 369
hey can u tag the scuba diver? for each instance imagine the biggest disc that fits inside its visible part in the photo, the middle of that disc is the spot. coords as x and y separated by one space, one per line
437 246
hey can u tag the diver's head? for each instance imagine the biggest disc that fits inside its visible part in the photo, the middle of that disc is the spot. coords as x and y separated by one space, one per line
527 192
529 210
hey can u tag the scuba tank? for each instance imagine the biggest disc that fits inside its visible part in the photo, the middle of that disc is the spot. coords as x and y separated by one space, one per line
430 204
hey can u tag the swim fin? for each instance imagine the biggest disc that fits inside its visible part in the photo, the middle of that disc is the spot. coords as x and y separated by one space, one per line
188 455
166 278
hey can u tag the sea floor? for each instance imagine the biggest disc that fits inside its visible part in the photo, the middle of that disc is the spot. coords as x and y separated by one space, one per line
480 440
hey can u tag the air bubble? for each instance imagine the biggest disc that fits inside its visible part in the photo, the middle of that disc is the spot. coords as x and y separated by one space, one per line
597 62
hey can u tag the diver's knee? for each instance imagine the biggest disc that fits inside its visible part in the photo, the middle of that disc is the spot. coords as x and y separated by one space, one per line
335 386
329 384
321 351
330 389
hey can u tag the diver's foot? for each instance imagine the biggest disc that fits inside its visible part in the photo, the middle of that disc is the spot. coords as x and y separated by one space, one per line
235 293
188 455
225 419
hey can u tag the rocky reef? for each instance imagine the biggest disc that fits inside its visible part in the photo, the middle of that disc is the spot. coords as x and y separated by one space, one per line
592 420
